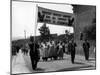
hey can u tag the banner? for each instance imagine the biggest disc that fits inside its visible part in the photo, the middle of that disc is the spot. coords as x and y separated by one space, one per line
55 17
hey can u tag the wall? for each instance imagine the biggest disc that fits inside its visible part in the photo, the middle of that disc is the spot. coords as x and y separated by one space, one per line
84 16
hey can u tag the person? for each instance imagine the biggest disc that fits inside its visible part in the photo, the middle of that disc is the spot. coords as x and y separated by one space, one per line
63 45
72 46
45 52
17 49
51 50
20 57
86 47
34 53
41 50
25 50
60 51
66 47
55 51
69 47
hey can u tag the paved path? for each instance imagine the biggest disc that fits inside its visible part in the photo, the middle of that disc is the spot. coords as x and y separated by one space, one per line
22 64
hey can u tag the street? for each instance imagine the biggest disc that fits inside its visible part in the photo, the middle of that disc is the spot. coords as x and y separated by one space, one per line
22 64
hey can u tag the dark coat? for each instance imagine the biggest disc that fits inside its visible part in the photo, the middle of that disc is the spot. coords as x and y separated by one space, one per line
86 45
71 46
34 51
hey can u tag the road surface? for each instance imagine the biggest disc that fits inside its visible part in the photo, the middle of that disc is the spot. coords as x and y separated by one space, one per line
21 64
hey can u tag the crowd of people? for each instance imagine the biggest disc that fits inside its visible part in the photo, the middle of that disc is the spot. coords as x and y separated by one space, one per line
52 50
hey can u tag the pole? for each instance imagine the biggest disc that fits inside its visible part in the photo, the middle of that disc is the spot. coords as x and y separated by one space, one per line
25 38
25 34
36 24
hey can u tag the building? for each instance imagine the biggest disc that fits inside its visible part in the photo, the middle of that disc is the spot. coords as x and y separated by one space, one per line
84 15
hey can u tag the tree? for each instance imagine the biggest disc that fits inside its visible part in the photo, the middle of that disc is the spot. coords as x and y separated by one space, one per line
45 32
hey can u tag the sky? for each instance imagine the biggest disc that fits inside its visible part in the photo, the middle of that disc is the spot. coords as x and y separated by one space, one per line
24 19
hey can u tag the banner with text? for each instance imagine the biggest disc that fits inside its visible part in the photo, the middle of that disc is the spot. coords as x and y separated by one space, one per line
55 17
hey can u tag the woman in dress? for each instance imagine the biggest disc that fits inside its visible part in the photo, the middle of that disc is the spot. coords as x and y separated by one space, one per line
55 51
60 51
45 52
51 49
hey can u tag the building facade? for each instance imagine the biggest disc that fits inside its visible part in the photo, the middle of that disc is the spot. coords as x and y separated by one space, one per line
84 15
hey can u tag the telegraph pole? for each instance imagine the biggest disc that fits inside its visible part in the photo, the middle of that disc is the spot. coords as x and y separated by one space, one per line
25 34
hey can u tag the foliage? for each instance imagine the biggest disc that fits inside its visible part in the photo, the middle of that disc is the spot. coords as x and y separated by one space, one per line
45 32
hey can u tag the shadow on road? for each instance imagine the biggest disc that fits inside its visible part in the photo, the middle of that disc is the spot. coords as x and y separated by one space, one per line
49 60
92 59
79 63
39 70
75 68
